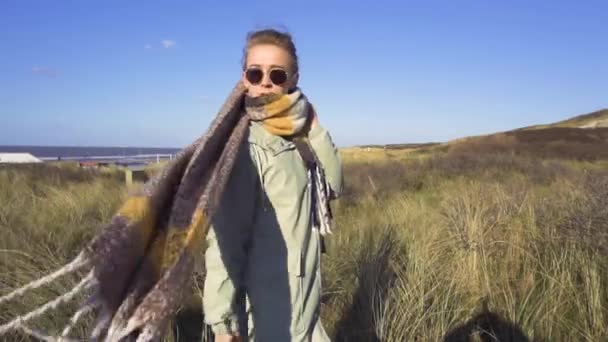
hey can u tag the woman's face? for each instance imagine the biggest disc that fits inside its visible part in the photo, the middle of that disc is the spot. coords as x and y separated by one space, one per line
266 58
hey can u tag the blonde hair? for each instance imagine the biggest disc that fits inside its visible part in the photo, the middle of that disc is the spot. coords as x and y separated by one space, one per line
274 37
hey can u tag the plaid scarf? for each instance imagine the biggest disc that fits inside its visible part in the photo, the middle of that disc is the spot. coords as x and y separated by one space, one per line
281 114
144 258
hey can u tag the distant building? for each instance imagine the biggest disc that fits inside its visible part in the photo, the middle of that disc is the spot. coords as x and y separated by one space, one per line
14 158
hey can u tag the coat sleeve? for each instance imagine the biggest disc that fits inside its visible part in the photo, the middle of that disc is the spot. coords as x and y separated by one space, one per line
326 151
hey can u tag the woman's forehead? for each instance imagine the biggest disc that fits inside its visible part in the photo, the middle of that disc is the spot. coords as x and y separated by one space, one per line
268 56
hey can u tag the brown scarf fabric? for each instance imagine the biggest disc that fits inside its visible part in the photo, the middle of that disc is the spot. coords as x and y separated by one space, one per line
144 259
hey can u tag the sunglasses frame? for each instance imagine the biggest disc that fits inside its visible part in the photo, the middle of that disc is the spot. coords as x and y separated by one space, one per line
288 75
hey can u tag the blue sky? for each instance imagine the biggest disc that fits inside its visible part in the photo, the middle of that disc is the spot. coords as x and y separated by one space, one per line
137 73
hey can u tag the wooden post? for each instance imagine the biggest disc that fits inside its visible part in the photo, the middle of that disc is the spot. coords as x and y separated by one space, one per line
135 175
128 177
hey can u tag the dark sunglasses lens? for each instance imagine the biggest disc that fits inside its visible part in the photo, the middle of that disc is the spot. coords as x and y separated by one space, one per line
254 76
278 76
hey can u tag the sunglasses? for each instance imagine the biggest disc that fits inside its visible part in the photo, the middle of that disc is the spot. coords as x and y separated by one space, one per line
256 75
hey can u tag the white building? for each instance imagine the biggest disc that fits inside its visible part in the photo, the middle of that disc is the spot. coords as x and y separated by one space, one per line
18 158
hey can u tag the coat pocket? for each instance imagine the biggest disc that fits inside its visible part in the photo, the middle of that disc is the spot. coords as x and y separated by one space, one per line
298 300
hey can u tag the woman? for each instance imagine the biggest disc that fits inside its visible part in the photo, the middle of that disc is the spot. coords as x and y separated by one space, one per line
263 255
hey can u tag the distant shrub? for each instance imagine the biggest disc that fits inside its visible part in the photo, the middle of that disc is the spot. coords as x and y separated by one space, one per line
58 174
558 143
412 175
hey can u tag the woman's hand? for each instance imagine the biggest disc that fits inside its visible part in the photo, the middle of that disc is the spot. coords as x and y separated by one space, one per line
228 338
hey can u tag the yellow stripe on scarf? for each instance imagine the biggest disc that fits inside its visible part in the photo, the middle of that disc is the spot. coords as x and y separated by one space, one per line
138 210
180 239
276 107
156 253
280 126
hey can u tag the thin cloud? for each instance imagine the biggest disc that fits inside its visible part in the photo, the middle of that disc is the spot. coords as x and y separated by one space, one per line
167 43
44 71
148 46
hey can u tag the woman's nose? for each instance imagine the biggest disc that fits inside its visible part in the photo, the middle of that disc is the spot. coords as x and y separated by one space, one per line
266 83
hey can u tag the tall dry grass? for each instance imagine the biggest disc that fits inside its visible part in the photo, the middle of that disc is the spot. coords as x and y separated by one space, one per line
460 247
444 247
47 214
